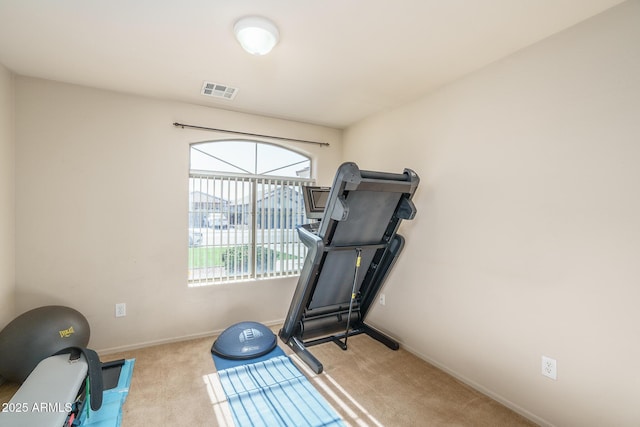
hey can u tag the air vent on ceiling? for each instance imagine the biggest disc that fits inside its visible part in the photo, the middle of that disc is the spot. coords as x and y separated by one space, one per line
218 90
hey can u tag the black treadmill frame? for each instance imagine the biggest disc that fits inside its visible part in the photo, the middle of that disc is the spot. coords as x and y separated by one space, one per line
310 322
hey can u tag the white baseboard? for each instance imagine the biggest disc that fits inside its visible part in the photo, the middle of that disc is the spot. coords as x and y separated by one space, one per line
144 344
476 386
479 387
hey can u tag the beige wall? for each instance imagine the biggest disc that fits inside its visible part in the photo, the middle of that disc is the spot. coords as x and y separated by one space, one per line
527 237
102 199
7 199
526 240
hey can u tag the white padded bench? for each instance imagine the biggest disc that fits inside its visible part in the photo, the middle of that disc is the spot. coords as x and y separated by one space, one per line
47 395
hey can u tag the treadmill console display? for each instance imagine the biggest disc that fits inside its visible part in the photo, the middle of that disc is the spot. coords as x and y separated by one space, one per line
315 200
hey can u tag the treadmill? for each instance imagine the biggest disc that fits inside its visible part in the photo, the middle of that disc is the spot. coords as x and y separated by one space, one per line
351 250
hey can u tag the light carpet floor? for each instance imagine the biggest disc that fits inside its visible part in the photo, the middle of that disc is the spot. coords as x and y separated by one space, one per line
369 385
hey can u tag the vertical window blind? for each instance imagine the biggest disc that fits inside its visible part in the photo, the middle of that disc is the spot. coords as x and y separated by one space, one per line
243 227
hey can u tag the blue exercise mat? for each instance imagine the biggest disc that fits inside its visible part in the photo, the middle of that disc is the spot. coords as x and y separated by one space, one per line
110 413
274 392
222 363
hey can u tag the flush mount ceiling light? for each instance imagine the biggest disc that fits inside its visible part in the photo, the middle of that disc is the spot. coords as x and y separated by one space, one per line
256 35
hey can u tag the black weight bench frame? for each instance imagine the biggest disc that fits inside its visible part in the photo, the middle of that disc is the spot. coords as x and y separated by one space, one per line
350 254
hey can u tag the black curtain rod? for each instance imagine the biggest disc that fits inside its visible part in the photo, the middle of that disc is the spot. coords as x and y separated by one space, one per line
182 125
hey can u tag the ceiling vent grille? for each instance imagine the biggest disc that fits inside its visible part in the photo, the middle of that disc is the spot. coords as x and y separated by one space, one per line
218 90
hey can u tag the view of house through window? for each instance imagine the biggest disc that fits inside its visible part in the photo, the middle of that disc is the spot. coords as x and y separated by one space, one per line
245 202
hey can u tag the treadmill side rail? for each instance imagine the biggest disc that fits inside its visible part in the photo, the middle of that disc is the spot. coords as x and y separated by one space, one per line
298 347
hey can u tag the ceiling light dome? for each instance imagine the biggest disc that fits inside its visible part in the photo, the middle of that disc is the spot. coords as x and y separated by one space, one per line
256 35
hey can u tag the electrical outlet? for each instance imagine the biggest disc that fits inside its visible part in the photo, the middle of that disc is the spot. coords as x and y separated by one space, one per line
549 367
382 299
121 309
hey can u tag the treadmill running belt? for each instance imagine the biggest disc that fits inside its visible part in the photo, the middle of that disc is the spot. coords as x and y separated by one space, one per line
275 393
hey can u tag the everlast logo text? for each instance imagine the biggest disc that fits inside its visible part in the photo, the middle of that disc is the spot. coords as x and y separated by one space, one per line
66 333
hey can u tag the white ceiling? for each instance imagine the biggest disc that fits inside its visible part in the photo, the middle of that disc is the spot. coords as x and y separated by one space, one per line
337 62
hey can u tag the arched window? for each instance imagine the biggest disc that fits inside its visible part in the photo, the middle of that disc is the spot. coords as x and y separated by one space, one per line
245 203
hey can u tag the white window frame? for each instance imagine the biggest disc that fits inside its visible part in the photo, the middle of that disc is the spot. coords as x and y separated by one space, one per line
236 245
